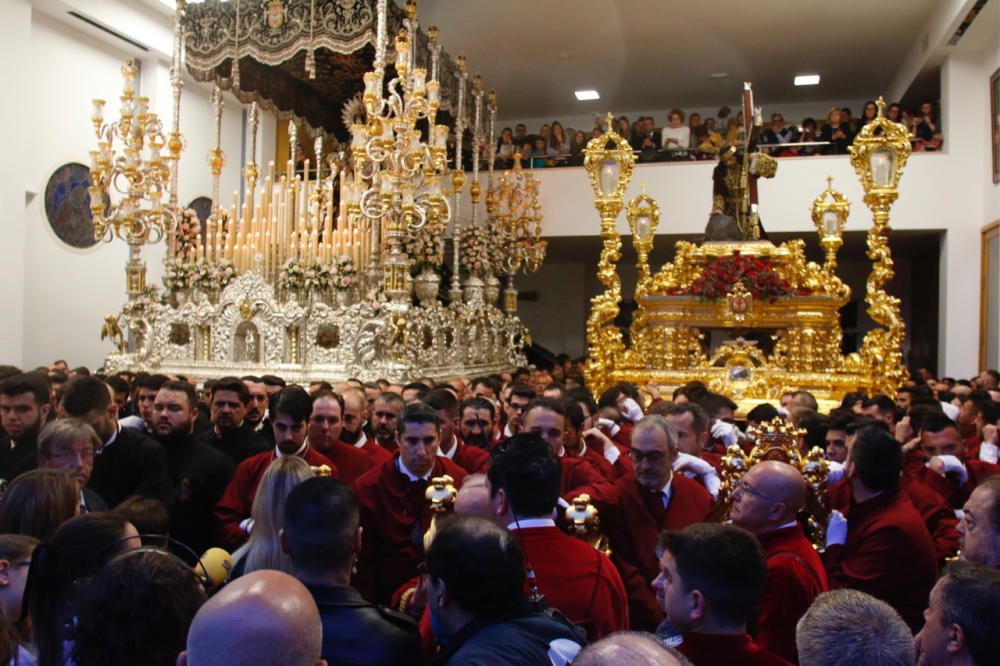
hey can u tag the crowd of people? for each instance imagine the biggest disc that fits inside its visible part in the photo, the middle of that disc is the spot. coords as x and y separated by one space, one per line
380 523
691 137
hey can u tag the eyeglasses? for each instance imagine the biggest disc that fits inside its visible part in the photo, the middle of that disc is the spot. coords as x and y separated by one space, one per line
652 457
69 456
744 487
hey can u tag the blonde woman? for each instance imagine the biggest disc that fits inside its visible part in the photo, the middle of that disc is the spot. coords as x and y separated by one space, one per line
263 549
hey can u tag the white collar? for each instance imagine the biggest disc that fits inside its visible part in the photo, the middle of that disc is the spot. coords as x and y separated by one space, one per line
362 440
302 449
527 523
507 432
410 475
791 523
450 453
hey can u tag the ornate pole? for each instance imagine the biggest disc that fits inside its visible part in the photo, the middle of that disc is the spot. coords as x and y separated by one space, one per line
251 172
491 149
477 140
175 144
458 181
216 158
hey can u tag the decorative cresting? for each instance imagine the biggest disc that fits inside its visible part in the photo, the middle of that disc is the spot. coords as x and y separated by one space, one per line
779 441
878 154
748 318
609 161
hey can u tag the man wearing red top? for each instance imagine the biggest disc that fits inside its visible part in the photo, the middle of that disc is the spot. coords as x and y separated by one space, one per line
385 412
325 425
980 526
880 544
394 511
546 418
475 424
710 577
766 503
291 408
472 459
947 470
592 445
518 397
641 506
353 432
574 577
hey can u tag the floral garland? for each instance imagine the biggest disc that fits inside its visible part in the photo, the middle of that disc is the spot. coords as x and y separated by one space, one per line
758 276
343 273
188 235
425 247
317 277
177 274
474 249
208 275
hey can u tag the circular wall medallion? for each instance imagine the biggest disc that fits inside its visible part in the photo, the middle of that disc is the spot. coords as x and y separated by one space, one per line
67 205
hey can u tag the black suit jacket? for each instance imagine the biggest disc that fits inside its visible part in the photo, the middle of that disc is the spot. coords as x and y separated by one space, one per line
17 457
132 464
358 632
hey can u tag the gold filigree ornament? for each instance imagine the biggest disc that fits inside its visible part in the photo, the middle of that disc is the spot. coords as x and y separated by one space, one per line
677 336
779 441
583 522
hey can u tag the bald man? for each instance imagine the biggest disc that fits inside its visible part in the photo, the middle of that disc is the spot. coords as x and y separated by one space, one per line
629 647
474 497
264 617
766 502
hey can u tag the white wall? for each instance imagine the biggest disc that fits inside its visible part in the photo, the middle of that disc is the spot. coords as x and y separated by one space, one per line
793 113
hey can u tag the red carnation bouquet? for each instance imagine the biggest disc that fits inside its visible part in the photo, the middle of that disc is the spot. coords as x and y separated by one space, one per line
761 280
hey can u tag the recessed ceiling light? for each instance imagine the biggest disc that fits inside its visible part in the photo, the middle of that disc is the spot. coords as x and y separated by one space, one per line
586 95
718 75
807 79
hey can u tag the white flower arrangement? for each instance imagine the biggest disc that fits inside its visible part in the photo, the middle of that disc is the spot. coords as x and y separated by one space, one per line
425 247
292 276
177 274
317 277
188 234
474 249
343 273
225 273
203 275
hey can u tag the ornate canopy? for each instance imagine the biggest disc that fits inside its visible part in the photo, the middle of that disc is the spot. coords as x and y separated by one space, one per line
302 59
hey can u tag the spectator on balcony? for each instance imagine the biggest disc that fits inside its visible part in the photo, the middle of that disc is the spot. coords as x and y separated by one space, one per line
576 148
598 131
853 124
706 144
558 145
520 133
808 133
894 113
926 132
676 135
710 124
869 113
723 118
734 132
623 127
693 121
506 148
544 131
647 139
537 152
777 133
836 132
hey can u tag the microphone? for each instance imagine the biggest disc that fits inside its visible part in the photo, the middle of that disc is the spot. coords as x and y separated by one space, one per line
216 565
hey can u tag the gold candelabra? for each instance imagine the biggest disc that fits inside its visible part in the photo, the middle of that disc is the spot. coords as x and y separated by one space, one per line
829 214
398 175
132 191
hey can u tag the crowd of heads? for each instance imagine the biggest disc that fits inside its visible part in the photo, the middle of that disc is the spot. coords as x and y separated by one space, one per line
109 584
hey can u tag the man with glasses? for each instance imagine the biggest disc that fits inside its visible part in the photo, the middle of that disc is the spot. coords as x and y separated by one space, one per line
766 502
70 444
642 506
518 397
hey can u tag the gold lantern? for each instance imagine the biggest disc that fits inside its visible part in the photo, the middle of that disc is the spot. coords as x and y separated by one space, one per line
829 214
643 215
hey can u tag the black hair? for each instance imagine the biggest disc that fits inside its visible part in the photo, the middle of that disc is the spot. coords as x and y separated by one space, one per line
148 515
272 380
883 403
321 520
527 471
324 393
421 389
416 412
521 390
251 378
699 419
31 383
152 382
609 397
723 562
816 426
442 400
937 423
583 396
574 414
878 459
477 404
765 412
480 562
853 398
234 385
548 404
713 403
150 592
83 395
185 388
292 401
117 384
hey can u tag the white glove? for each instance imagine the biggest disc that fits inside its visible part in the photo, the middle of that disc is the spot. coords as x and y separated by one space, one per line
633 412
247 525
989 453
727 432
834 473
836 529
953 465
697 468
609 425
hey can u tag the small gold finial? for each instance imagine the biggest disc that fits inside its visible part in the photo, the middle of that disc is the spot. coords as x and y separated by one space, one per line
642 189
829 182
880 103
611 120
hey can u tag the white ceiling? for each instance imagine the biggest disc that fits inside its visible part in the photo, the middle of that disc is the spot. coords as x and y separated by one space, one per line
642 54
